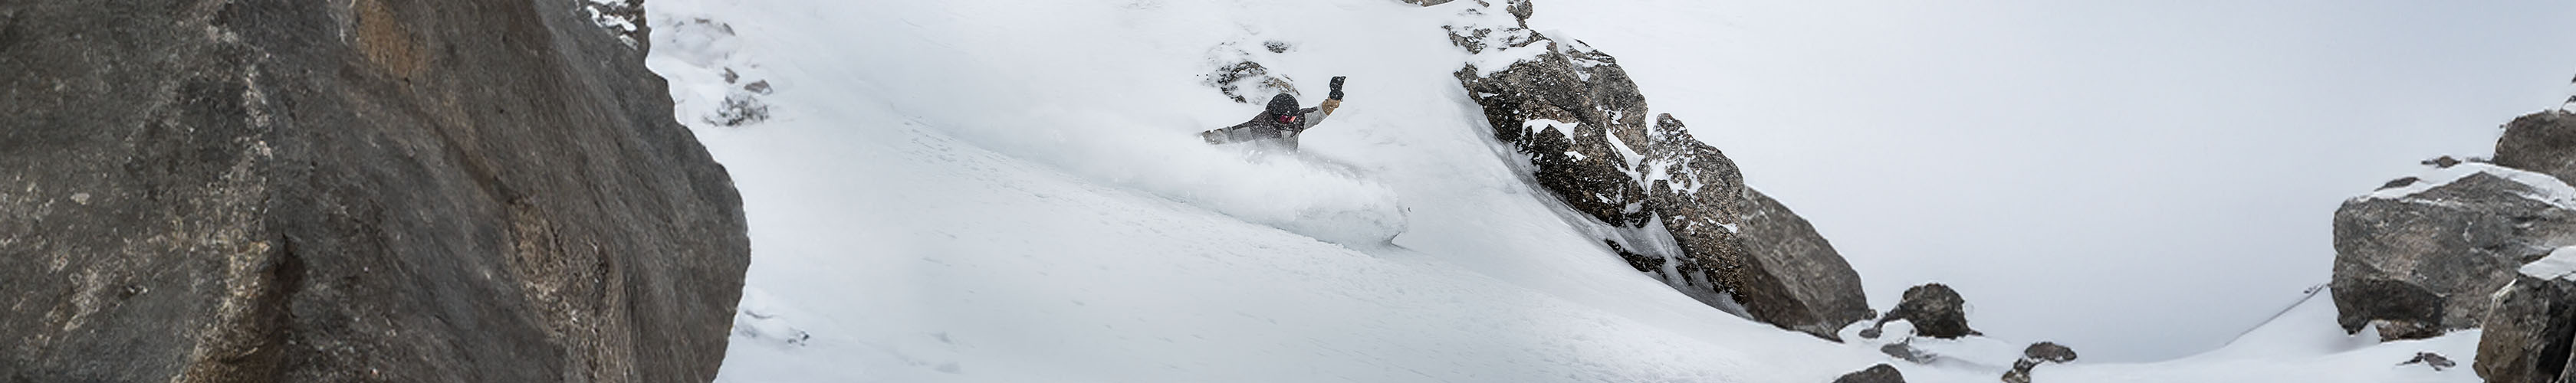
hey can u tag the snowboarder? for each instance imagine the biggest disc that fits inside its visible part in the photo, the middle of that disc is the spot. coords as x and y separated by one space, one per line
1281 122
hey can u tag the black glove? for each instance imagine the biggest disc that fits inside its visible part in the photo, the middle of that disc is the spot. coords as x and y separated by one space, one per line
1337 87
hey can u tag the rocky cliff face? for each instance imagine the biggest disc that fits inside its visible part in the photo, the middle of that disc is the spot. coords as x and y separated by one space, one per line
262 190
1681 205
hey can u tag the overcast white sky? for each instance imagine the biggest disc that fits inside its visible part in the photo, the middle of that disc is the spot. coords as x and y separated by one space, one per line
2138 179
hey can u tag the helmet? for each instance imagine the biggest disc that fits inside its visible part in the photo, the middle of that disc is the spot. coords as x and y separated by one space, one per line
1282 105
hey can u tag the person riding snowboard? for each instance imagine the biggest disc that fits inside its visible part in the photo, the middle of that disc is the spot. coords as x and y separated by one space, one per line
1281 122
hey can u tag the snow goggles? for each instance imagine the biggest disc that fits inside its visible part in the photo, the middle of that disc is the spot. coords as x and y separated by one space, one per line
1287 119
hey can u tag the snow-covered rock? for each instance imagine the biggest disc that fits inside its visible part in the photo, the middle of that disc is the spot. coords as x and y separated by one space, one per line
1239 74
2422 257
2038 353
1681 205
1933 309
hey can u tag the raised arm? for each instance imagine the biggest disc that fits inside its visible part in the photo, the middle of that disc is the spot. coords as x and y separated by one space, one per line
1315 115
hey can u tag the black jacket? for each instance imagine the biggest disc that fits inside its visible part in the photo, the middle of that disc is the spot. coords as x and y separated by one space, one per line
1267 125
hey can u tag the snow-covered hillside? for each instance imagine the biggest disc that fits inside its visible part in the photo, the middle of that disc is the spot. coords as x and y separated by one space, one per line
1013 191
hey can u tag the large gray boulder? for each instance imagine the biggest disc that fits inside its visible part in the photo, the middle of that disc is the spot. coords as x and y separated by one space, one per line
2542 142
2421 257
368 190
1576 117
1792 276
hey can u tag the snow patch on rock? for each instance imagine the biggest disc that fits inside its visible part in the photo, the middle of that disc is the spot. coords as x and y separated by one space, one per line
2560 264
2545 188
622 17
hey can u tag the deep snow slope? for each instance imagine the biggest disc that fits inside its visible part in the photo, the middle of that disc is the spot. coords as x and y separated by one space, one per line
1009 191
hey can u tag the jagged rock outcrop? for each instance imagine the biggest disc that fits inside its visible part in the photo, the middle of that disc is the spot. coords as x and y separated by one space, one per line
1933 309
2032 357
1881 373
2530 329
1583 127
2542 142
2422 257
368 190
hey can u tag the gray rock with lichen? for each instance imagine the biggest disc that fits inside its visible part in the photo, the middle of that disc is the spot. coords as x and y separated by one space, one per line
2420 259
358 190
